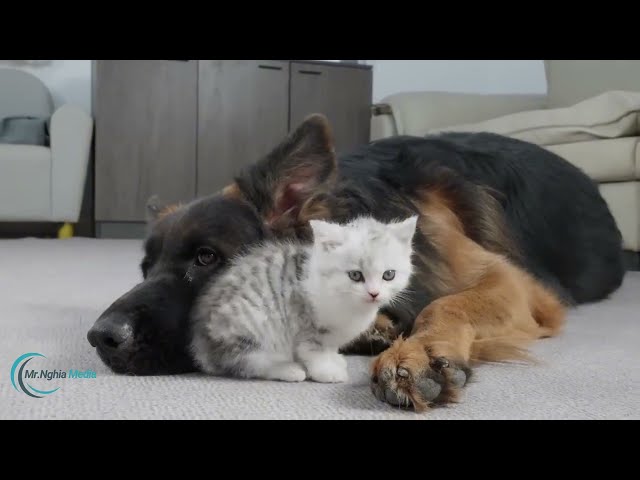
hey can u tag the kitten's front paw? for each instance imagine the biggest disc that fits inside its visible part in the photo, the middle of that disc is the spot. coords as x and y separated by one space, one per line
329 369
341 360
289 372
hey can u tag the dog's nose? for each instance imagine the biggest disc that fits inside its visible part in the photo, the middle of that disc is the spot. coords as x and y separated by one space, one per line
110 332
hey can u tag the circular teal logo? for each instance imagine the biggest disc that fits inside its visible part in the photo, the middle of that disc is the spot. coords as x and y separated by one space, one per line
20 375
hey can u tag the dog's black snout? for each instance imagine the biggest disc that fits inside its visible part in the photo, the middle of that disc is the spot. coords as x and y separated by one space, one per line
111 332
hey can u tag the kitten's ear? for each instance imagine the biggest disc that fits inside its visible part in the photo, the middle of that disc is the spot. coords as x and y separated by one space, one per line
405 230
328 235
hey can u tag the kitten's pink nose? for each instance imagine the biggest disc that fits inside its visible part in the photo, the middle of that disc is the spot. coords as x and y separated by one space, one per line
374 295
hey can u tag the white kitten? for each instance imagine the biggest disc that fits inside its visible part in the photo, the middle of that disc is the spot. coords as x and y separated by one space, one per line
283 310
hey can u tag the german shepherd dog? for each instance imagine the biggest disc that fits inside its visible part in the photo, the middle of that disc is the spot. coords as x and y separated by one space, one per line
509 236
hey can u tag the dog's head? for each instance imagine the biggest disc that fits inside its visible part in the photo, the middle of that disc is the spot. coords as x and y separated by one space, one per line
146 331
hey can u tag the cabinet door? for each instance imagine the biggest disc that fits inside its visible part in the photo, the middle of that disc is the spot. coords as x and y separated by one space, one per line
145 117
243 114
341 93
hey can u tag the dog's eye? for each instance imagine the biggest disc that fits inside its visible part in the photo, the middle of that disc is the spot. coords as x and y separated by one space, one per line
389 275
356 276
206 256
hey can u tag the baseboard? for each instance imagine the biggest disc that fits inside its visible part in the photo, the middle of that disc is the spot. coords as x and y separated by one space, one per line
137 230
84 228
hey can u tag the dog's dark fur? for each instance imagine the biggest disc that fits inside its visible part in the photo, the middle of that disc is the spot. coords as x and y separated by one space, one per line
510 197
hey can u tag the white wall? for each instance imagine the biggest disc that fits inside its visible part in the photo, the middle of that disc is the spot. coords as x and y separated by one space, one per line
68 80
472 76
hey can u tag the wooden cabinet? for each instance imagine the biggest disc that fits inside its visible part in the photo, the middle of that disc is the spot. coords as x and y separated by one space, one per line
243 113
145 135
185 128
343 94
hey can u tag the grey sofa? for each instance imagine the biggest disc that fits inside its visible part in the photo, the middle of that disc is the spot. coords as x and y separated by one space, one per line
42 183
589 116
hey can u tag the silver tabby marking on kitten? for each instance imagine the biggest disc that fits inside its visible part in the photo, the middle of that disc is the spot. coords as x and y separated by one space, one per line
282 310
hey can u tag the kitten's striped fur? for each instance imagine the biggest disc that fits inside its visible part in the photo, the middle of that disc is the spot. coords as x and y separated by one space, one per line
282 310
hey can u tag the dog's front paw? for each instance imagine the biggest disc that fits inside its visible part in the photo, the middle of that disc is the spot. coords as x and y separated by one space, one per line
374 340
406 376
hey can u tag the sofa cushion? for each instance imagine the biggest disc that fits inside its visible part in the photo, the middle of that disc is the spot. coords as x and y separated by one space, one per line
22 93
612 160
25 183
25 130
638 160
609 115
415 113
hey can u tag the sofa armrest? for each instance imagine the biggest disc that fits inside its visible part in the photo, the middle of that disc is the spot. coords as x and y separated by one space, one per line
382 122
71 136
416 113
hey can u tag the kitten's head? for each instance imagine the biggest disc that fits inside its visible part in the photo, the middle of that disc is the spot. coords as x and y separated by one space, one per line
364 260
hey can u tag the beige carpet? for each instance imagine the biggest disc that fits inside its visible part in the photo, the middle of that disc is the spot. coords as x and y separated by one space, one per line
52 290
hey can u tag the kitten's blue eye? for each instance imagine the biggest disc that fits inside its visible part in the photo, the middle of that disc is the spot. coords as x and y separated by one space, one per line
356 276
389 275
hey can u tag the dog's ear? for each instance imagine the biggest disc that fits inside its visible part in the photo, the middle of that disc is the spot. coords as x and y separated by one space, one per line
279 184
153 208
156 209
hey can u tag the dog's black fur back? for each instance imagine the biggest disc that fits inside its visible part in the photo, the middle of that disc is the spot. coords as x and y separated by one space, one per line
560 223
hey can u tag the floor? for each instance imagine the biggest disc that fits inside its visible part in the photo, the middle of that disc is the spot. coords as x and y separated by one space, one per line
51 291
